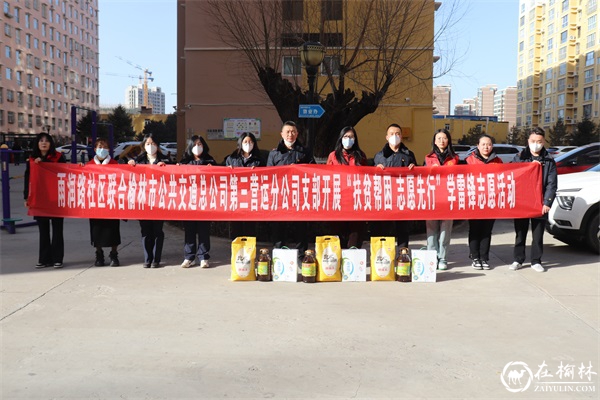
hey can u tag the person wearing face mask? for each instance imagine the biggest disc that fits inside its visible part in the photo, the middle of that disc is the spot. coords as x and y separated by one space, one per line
51 247
348 152
153 236
245 155
439 232
480 230
535 152
104 232
290 151
394 154
196 233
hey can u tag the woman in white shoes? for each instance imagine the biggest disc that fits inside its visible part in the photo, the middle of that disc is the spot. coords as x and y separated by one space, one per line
196 233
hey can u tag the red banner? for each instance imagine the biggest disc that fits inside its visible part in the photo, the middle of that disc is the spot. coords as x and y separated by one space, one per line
292 193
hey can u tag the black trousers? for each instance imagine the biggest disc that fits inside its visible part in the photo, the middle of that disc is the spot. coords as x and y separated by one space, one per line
153 238
197 240
398 229
52 247
480 237
537 242
351 233
282 232
243 228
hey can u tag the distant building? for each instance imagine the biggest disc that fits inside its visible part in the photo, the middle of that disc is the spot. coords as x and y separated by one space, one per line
459 126
134 98
49 63
557 69
466 108
441 99
485 100
505 105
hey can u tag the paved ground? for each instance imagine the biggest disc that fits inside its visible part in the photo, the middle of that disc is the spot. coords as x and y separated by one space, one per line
98 332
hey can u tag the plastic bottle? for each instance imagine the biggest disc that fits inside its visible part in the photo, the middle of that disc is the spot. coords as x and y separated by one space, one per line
309 267
403 266
264 271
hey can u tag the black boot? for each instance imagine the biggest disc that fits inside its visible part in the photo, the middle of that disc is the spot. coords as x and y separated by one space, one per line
114 259
99 258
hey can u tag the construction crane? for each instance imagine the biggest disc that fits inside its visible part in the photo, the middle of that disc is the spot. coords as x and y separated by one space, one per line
147 76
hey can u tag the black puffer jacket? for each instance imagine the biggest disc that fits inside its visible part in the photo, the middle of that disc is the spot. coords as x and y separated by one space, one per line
236 160
143 159
549 175
284 156
389 158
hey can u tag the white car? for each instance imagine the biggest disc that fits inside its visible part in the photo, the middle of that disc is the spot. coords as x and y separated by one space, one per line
573 217
164 150
505 152
82 151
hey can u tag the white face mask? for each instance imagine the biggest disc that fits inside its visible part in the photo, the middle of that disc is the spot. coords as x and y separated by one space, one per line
151 149
247 147
197 150
102 153
394 140
289 144
347 143
535 147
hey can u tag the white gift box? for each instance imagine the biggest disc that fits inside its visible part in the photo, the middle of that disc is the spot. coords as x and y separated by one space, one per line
285 265
424 265
354 265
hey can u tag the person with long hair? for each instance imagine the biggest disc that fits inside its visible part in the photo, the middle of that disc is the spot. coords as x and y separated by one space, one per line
153 236
196 233
247 154
394 154
347 151
480 230
104 232
51 245
439 232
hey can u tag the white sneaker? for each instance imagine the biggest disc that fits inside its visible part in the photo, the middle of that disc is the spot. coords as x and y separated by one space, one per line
538 268
442 265
204 264
187 263
515 266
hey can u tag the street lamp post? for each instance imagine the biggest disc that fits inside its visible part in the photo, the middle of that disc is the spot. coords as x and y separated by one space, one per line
311 56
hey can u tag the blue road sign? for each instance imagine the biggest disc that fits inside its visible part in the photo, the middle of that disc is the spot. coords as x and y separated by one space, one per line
310 111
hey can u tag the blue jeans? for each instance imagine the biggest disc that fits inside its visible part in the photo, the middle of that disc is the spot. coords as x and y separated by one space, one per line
438 237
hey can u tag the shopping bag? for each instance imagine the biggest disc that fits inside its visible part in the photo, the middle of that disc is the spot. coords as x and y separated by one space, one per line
285 265
383 254
329 254
243 255
424 265
354 265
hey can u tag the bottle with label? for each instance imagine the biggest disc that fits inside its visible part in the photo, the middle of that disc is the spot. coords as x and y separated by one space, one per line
403 266
264 271
309 267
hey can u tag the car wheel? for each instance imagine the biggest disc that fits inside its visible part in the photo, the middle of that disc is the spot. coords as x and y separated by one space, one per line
592 235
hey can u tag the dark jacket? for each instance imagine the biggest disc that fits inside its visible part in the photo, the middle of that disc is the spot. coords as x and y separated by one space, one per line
205 159
284 156
143 159
56 157
389 158
549 175
476 158
236 160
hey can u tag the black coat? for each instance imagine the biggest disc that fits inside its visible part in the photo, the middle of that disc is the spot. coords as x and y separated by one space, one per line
143 159
389 158
205 159
236 160
284 156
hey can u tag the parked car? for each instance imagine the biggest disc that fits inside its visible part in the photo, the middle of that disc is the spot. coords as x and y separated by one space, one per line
578 159
573 217
461 151
506 152
556 151
81 150
129 150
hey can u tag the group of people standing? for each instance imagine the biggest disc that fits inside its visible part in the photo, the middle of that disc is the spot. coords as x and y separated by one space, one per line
347 151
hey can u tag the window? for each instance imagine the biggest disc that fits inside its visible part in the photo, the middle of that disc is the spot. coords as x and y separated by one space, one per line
10 95
550 44
587 112
548 88
331 10
562 53
589 76
564 22
549 74
592 23
589 59
564 5
561 85
292 10
563 37
19 77
522 21
591 40
8 74
551 29
562 68
11 117
292 65
521 46
561 100
587 93
561 114
7 52
331 62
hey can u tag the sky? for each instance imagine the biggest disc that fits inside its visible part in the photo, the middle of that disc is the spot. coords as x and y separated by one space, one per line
143 32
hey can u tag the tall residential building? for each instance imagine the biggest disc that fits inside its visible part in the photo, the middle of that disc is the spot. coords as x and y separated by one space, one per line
485 100
134 98
505 105
468 107
49 63
218 93
441 99
558 74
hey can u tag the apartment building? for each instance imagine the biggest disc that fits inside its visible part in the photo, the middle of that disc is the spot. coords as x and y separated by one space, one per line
558 57
134 98
441 99
218 92
505 105
484 103
468 107
49 62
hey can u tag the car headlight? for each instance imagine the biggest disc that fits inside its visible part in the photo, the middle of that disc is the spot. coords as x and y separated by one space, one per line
565 202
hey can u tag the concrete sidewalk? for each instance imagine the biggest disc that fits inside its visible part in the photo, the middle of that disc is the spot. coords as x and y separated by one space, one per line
101 333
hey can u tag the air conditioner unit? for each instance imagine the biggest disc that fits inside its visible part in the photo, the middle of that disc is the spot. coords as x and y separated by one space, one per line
572 37
7 15
570 86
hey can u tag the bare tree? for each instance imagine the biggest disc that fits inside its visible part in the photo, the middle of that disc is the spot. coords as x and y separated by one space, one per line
376 50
